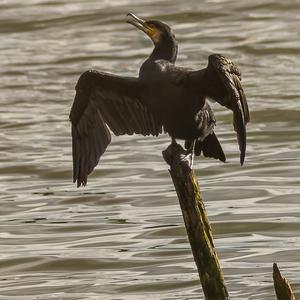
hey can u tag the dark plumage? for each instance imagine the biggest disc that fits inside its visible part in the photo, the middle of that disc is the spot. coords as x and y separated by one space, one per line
163 98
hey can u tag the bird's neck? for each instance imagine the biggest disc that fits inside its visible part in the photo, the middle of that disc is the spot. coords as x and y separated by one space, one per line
166 50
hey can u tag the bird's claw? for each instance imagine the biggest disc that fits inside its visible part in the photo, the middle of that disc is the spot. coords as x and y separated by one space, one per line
175 155
189 158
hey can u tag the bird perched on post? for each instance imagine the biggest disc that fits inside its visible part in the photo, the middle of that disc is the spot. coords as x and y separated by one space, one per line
163 98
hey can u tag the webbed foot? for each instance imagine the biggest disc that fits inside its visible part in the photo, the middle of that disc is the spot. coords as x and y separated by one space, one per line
189 158
175 155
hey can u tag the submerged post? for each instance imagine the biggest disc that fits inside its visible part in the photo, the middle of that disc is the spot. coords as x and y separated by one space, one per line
282 287
196 223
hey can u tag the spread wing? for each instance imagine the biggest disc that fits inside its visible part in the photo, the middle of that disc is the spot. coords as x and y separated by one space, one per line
224 86
103 100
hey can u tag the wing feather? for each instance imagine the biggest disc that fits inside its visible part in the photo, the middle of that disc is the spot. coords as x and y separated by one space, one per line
225 87
105 101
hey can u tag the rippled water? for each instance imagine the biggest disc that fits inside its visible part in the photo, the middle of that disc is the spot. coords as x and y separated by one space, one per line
122 237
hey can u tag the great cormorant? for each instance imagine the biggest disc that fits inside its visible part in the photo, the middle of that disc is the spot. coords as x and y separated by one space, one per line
163 98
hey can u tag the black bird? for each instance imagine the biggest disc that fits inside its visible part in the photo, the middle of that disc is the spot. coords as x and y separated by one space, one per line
164 98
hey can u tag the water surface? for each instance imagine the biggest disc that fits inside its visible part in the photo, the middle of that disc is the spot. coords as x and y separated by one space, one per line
122 237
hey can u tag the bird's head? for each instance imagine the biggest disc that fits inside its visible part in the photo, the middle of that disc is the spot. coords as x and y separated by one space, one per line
158 31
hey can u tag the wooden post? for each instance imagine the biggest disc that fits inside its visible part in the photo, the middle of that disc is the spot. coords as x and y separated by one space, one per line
196 223
282 287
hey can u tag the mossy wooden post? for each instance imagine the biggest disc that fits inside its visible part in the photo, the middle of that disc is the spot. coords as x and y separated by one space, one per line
282 287
196 223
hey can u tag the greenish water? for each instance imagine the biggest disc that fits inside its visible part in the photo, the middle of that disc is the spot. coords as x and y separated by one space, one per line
122 237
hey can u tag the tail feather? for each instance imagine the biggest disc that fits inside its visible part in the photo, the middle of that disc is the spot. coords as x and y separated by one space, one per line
210 147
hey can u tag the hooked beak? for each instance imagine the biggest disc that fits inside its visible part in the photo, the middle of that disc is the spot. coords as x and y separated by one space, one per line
140 24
